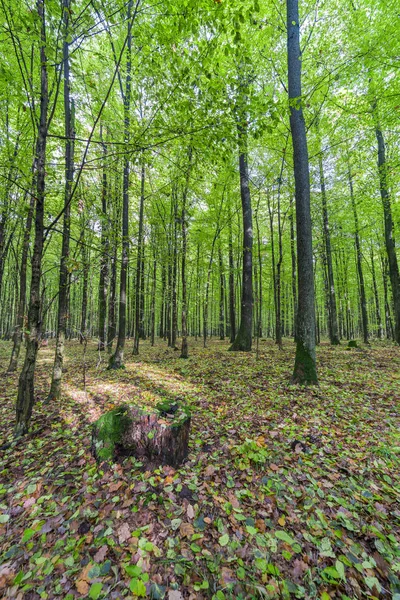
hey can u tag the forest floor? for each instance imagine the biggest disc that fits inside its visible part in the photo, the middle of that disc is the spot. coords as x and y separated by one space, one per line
288 492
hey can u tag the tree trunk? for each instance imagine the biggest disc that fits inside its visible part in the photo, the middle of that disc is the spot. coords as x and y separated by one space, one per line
232 315
117 359
55 389
139 282
363 298
22 289
293 265
25 397
221 296
243 339
184 348
104 244
376 297
333 325
305 370
389 234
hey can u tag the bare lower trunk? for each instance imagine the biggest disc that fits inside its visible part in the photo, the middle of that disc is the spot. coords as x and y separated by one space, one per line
243 338
25 397
117 359
305 362
55 389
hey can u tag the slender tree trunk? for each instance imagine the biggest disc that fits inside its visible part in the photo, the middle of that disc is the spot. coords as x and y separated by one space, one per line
55 389
333 325
117 359
17 340
305 370
104 244
221 296
363 298
389 233
232 315
163 291
153 302
243 339
85 272
112 328
25 397
174 295
293 265
138 290
376 297
184 348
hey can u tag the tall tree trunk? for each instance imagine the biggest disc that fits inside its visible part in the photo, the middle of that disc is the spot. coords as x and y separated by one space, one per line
243 339
117 359
389 234
363 297
17 339
221 296
112 324
85 272
376 297
25 397
305 370
293 265
174 295
333 324
139 269
153 302
55 389
104 244
184 348
232 315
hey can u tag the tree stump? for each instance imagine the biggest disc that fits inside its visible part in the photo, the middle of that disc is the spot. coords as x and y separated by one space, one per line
155 437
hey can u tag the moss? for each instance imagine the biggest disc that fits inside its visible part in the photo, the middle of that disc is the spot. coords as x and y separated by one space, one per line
352 344
108 431
305 370
180 411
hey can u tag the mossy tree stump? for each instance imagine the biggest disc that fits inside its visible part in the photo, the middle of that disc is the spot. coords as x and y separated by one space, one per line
155 437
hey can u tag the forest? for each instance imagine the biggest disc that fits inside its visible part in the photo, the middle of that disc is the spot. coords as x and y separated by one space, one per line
199 299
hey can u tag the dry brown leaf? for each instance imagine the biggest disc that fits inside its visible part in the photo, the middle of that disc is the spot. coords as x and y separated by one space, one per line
190 511
100 554
186 530
124 533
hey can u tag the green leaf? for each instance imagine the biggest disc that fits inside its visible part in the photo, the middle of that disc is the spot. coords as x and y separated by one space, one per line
339 566
285 537
4 518
95 590
133 570
175 523
223 540
138 588
28 534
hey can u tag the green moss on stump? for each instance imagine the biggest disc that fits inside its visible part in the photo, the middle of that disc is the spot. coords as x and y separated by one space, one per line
108 432
160 436
352 344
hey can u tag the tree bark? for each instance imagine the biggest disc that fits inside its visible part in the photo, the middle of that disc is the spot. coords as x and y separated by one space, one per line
305 370
363 298
104 244
184 347
139 269
17 339
333 325
55 389
243 338
117 359
389 234
25 397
